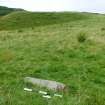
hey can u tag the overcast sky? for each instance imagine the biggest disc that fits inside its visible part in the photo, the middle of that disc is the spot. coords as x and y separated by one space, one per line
57 5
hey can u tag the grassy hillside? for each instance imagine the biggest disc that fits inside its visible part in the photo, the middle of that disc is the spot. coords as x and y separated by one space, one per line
6 10
18 20
65 47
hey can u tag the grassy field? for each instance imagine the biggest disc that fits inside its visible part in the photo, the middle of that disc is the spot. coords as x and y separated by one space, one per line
65 47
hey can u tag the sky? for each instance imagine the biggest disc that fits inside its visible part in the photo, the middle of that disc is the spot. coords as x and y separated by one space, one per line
97 6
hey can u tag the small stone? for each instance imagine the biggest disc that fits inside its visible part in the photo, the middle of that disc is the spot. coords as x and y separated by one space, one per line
52 85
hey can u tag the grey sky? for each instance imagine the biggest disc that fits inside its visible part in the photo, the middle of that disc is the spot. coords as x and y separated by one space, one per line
57 5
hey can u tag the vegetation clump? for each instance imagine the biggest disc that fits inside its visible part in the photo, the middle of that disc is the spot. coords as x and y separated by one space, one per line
103 29
81 37
20 31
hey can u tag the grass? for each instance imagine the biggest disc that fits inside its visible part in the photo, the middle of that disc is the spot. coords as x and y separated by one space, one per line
33 20
52 51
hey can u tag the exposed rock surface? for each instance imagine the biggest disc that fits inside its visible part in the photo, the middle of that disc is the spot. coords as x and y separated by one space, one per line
53 85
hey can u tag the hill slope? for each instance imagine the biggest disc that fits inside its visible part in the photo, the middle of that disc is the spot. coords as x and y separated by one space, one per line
70 50
6 10
18 20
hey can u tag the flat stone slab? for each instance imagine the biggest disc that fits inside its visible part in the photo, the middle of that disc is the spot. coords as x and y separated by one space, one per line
52 85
